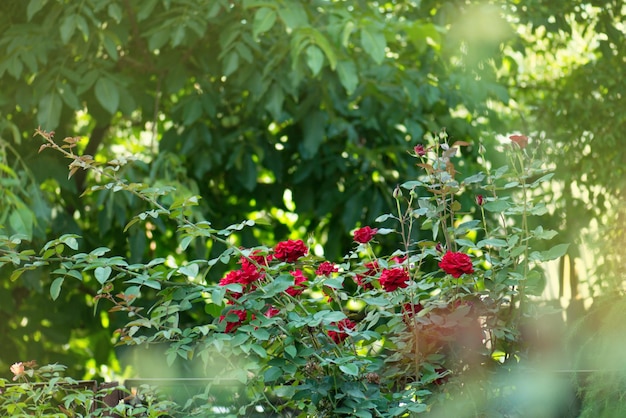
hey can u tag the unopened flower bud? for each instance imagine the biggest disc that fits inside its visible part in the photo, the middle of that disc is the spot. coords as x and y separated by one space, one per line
480 200
397 192
420 151
520 140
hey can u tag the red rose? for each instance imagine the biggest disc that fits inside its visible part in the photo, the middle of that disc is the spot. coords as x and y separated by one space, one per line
420 151
326 268
290 250
409 310
372 269
339 336
365 234
520 140
257 257
249 274
232 277
231 326
272 311
392 279
299 278
456 264
399 259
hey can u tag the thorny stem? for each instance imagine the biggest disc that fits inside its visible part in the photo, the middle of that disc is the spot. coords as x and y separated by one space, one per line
525 232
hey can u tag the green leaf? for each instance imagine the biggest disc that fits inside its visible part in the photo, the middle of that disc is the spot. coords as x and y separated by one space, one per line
535 283
323 43
259 350
154 284
330 316
377 301
107 94
293 15
67 28
49 111
67 94
497 206
313 136
555 252
383 218
55 287
351 369
102 274
75 274
81 24
261 334
275 100
272 374
147 6
111 46
190 270
314 59
231 63
264 19
539 233
115 12
70 241
16 274
21 221
542 179
347 75
184 243
492 242
291 351
373 43
476 178
334 283
34 6
248 176
158 39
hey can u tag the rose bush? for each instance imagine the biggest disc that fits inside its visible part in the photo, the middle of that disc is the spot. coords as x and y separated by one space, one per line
369 335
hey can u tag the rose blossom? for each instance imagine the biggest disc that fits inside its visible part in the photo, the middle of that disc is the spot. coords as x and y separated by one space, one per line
365 234
520 140
456 264
299 278
272 311
419 150
249 274
326 268
372 269
392 279
290 250
230 278
409 310
231 326
257 257
339 336
17 369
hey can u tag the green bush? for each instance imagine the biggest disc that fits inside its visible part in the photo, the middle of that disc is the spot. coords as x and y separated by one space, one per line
426 326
